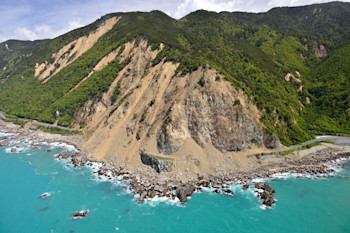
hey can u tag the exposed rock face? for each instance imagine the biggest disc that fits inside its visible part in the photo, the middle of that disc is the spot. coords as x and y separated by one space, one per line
183 192
213 117
271 141
165 144
266 195
157 163
319 50
173 132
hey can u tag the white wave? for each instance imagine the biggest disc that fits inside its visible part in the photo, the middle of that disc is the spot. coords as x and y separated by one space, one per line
207 189
295 175
259 179
8 150
336 166
237 187
3 135
45 195
64 145
153 202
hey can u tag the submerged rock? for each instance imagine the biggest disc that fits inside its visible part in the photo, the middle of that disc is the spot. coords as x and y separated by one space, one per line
44 195
157 163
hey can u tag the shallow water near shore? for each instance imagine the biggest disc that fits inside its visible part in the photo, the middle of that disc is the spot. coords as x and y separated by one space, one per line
303 205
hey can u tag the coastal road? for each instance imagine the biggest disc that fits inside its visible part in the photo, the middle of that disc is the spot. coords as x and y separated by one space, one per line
335 139
2 116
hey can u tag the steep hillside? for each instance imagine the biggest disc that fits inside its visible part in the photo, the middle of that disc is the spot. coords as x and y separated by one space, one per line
195 90
328 22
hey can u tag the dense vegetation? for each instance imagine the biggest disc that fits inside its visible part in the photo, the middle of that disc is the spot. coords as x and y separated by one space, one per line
253 51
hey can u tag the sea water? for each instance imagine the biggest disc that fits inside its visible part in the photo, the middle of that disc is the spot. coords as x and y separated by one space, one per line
303 205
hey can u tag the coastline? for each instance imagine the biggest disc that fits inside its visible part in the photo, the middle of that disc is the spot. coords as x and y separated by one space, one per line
145 183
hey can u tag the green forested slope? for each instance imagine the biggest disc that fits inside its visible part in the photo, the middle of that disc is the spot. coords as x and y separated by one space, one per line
253 51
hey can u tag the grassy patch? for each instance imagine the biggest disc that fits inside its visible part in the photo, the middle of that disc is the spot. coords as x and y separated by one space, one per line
56 130
163 158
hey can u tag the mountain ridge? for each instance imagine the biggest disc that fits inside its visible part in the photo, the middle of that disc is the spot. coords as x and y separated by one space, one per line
195 90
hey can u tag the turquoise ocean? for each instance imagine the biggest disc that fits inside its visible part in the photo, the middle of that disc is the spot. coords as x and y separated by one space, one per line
303 205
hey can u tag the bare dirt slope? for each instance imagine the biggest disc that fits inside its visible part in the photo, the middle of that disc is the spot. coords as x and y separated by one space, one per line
72 51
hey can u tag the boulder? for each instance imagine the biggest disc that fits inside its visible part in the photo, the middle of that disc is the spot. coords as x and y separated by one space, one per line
228 192
33 127
13 150
245 187
159 164
184 191
142 196
4 143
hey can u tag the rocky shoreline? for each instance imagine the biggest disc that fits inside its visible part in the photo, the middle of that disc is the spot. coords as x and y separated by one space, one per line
146 185
143 189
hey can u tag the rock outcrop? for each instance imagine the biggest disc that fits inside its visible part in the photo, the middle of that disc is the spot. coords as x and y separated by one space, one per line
159 164
63 155
271 141
319 50
213 117
78 159
183 192
267 194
